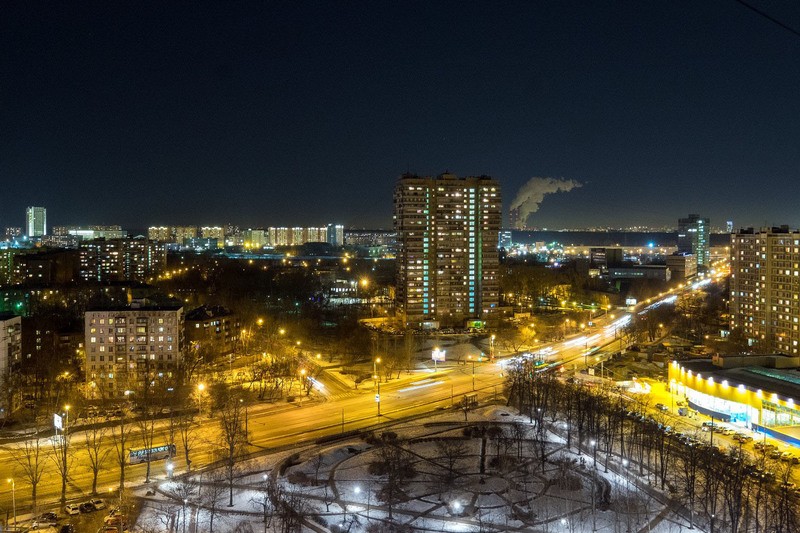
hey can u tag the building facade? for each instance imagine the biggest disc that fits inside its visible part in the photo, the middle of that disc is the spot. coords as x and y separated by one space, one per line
693 238
36 221
447 264
121 259
765 287
10 353
130 347
214 324
335 234
682 265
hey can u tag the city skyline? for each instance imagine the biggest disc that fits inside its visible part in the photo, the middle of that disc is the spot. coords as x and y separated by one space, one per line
288 110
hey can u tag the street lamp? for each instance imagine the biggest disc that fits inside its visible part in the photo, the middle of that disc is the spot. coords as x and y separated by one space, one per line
14 498
185 501
375 368
473 371
201 387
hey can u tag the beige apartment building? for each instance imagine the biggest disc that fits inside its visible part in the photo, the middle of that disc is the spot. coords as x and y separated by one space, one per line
447 234
127 347
765 288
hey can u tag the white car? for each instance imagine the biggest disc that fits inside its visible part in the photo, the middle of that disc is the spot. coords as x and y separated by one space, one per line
98 503
72 509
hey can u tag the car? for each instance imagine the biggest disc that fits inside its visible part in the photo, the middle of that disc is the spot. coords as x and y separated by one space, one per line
86 507
98 503
743 438
45 520
114 517
67 528
775 454
790 458
72 509
788 485
662 407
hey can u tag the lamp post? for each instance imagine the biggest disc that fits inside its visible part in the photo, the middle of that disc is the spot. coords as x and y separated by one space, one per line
14 499
473 371
491 348
378 398
594 484
185 501
201 387
375 368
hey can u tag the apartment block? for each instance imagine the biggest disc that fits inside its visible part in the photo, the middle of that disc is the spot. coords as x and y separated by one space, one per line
121 259
128 348
694 238
447 264
765 287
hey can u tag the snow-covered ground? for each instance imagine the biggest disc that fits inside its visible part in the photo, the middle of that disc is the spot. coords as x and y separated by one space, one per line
333 487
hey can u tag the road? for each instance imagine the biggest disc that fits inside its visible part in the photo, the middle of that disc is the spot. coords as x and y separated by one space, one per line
272 426
269 427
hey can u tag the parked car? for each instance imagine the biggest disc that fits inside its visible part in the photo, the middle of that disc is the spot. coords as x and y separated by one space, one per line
86 507
98 503
790 458
72 509
45 520
67 528
662 407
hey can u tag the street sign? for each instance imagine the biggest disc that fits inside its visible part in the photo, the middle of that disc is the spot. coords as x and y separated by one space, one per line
57 421
377 397
438 355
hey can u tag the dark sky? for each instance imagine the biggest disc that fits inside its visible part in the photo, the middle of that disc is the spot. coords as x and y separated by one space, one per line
301 113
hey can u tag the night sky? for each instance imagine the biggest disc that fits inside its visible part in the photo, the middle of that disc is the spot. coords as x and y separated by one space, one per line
304 113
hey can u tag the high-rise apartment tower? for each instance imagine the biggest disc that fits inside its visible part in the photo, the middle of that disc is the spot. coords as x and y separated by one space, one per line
693 238
765 288
447 233
36 221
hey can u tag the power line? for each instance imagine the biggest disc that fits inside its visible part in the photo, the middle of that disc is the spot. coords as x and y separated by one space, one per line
769 17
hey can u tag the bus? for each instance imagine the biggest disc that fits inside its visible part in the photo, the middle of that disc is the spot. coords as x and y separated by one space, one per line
156 453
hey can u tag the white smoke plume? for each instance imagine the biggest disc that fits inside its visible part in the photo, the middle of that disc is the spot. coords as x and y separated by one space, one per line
532 193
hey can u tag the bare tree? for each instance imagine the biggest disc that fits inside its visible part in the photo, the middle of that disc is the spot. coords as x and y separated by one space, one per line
233 437
262 501
120 435
62 458
96 449
31 459
187 432
211 492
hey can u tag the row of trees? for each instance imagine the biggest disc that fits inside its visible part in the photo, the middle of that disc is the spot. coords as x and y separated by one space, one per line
725 489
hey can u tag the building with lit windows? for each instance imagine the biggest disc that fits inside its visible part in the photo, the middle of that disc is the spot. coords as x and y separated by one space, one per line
335 234
213 232
215 325
765 288
128 347
121 259
159 233
761 393
447 263
10 350
36 221
694 238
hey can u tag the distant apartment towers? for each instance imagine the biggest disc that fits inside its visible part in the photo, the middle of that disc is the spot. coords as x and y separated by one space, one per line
248 238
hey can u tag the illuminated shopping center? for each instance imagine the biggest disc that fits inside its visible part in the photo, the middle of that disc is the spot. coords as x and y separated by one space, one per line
757 392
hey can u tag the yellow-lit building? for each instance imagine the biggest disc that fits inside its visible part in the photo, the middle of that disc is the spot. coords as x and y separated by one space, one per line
757 392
